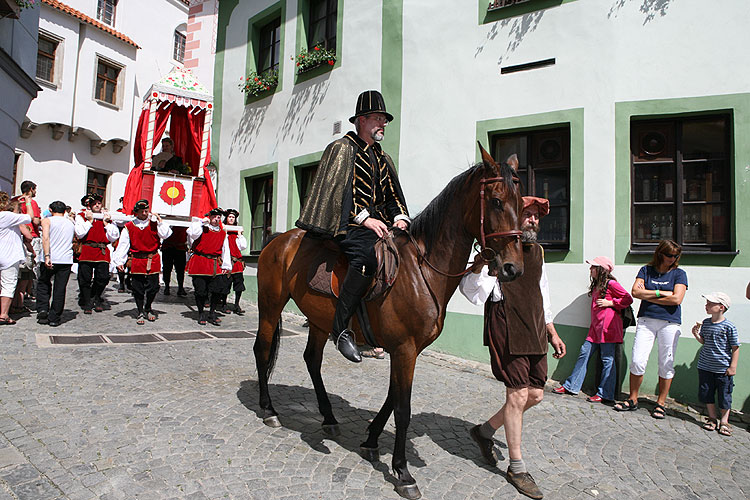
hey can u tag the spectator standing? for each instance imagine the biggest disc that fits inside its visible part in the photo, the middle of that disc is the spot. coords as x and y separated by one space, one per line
30 206
608 298
11 254
93 262
57 242
661 286
717 361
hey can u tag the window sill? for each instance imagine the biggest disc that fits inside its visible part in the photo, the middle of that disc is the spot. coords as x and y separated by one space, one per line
45 83
250 98
647 251
498 13
107 104
312 72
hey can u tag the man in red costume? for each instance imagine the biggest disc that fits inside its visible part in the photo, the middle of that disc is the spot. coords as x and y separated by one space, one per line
210 258
139 242
93 261
237 243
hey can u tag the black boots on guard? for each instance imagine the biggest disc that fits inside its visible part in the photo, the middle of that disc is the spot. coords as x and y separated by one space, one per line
354 287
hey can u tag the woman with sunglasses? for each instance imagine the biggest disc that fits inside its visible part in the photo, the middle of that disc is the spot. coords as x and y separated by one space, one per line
661 286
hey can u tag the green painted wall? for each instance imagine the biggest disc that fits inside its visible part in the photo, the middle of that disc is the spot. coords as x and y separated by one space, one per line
226 7
392 69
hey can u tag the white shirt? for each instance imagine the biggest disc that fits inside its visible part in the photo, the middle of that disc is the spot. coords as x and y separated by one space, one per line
61 233
11 239
195 231
83 227
121 252
480 287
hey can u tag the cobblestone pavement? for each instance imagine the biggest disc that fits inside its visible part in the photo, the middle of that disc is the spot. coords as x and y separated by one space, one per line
174 420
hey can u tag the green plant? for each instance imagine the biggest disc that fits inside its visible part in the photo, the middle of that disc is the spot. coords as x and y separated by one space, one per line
26 4
313 57
256 83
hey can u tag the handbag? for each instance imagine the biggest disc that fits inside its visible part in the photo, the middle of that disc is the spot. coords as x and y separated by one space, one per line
628 317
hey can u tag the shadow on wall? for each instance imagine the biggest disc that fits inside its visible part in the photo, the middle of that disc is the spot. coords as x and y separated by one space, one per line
519 28
687 389
576 313
301 110
650 8
244 138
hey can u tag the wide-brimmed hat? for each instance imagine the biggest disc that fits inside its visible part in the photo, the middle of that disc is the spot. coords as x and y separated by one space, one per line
141 205
719 298
370 101
541 203
602 261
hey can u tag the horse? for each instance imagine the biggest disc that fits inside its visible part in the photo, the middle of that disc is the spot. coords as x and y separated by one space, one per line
482 203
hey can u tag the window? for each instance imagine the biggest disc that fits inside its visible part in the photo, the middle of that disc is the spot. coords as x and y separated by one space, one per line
323 23
105 11
178 54
261 205
45 59
680 183
544 171
96 182
269 47
499 4
306 176
106 82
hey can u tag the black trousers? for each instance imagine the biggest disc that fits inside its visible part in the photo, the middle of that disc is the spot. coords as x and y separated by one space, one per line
145 287
359 247
99 271
44 290
173 257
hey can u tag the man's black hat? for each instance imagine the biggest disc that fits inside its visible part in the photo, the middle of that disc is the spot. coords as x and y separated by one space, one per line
370 101
215 211
86 200
141 205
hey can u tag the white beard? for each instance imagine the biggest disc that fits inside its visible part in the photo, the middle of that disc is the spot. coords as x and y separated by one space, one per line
377 137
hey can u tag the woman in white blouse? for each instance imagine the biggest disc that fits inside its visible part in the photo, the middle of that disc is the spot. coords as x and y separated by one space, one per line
11 254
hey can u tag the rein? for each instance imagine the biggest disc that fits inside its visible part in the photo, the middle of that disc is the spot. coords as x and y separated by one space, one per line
486 253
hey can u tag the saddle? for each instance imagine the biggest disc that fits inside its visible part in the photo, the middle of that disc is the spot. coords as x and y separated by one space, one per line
328 268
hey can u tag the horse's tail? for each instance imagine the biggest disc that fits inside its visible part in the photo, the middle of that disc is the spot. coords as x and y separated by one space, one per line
274 353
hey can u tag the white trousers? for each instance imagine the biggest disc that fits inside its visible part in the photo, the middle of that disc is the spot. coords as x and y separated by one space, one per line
9 280
666 335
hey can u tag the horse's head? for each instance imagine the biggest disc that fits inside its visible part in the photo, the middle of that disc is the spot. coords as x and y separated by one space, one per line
497 218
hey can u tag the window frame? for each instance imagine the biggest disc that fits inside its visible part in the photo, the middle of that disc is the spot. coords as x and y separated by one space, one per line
529 172
329 20
92 187
101 11
260 183
178 53
272 48
119 81
304 33
57 67
677 164
254 26
247 177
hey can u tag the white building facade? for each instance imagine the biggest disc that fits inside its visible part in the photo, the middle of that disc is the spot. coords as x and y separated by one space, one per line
96 60
630 117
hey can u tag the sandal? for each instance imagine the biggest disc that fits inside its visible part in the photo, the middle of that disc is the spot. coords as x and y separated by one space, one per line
710 424
659 412
372 353
7 321
150 316
725 430
627 405
140 320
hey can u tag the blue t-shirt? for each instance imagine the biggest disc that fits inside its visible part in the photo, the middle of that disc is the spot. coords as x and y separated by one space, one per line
718 340
655 281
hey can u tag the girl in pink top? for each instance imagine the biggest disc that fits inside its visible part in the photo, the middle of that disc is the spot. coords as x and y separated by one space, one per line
608 298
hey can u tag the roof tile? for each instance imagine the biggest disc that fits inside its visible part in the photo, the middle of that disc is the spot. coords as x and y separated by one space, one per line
93 22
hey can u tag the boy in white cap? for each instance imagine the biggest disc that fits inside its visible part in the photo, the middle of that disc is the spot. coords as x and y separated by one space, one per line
717 361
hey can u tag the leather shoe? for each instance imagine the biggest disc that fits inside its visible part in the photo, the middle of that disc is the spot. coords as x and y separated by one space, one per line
181 292
563 390
525 484
345 344
166 290
486 446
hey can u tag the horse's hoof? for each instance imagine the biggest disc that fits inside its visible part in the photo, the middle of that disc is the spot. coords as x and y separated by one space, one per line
272 421
409 491
370 454
331 430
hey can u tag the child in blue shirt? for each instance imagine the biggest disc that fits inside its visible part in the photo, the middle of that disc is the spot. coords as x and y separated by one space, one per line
717 361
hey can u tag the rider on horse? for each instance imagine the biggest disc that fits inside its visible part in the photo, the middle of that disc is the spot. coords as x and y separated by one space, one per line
354 198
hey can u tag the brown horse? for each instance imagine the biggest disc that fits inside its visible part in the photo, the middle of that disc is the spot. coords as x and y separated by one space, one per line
483 204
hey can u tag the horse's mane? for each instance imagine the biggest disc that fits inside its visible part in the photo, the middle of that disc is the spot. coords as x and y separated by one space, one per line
426 224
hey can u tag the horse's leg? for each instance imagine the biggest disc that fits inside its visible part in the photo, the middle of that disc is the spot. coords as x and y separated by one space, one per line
369 449
316 342
402 376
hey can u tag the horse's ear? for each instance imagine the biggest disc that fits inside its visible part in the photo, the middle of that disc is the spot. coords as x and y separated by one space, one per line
486 156
513 162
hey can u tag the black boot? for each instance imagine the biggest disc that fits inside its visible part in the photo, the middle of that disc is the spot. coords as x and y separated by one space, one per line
354 287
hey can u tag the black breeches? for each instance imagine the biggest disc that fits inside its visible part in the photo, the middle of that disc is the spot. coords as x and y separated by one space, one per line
359 248
145 287
99 272
173 257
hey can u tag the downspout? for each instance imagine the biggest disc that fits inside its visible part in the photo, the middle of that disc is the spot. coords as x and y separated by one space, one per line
73 133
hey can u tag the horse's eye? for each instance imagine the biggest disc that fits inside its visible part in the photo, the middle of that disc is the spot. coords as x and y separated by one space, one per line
497 203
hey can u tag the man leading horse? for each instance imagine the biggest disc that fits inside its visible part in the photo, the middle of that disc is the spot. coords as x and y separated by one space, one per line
354 198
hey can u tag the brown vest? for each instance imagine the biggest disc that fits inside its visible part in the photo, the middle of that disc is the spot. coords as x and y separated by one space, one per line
524 310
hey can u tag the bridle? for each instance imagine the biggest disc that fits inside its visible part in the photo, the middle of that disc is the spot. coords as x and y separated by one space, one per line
486 253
